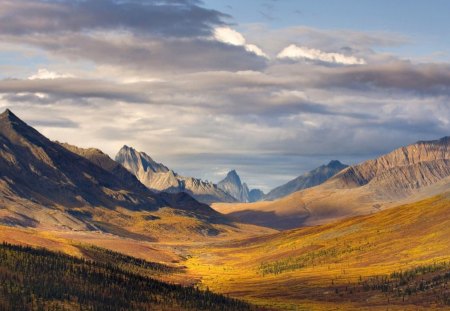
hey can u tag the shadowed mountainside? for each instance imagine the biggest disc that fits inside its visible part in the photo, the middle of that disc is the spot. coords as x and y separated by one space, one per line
415 171
51 185
158 177
308 180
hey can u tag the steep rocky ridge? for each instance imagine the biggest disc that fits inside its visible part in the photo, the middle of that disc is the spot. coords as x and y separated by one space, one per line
49 185
415 171
308 180
233 185
158 177
401 172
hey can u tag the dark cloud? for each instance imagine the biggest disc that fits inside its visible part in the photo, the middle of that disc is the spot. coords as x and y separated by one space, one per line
394 76
426 79
182 18
54 123
151 36
151 55
38 90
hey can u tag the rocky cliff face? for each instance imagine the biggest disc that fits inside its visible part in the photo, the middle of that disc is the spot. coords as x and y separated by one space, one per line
232 185
56 186
158 177
46 172
402 171
43 183
308 180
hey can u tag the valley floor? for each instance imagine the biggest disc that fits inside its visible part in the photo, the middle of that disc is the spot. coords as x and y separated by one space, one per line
398 259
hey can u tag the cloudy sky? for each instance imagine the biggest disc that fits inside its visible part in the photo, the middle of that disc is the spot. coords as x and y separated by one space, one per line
270 88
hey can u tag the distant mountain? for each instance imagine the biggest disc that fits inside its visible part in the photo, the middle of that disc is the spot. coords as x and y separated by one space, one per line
308 180
232 185
408 173
255 195
158 177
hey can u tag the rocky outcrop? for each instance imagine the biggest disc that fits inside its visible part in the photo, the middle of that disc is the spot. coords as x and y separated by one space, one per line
308 180
232 185
45 183
159 178
402 171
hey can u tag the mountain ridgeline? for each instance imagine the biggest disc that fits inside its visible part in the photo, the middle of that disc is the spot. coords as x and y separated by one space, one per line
402 171
308 180
158 177
51 185
233 185
406 174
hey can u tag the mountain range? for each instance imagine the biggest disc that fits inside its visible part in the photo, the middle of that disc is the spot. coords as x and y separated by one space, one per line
158 177
84 189
370 234
55 186
408 173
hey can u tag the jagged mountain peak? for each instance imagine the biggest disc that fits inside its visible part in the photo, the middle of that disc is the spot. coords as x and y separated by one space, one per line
46 184
233 185
134 161
233 177
37 170
8 114
10 119
158 177
15 129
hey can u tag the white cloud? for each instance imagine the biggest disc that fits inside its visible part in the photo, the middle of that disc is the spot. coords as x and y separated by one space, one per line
228 35
296 53
44 74
231 36
255 49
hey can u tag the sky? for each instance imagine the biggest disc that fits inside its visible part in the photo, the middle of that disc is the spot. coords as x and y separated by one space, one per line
270 88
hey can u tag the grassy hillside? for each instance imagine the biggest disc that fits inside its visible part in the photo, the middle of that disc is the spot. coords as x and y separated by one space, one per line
397 258
37 279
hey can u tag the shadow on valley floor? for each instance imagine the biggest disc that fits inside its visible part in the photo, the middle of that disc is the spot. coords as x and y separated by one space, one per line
269 219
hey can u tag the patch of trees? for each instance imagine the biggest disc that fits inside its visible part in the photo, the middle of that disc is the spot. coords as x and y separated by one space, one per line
128 263
421 285
309 259
37 279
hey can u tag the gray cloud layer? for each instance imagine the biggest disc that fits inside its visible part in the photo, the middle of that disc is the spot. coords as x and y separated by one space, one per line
149 74
181 18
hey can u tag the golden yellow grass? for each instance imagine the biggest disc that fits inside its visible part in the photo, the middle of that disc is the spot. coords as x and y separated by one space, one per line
327 256
318 205
310 261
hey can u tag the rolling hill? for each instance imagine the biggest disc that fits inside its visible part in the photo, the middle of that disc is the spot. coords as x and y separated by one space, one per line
37 279
397 259
408 172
